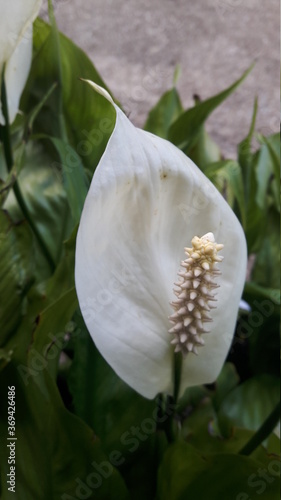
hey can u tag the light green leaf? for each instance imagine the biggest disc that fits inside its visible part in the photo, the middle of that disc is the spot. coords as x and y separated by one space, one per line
204 151
187 126
226 175
163 114
268 166
249 404
74 177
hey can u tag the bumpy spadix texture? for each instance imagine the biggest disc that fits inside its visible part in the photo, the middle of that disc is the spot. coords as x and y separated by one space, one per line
146 203
16 18
195 294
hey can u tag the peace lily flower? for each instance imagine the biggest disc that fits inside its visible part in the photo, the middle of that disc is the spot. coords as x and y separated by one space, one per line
16 21
152 219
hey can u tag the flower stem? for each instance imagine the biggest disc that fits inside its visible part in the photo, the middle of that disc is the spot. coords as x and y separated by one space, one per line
6 136
177 366
171 401
169 424
263 432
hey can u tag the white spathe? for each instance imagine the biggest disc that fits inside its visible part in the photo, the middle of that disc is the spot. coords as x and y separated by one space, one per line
146 202
16 21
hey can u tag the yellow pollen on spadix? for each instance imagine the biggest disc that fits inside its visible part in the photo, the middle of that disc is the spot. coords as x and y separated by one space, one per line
195 294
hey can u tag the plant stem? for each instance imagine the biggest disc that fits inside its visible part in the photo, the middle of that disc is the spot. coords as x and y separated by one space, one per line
177 366
5 128
10 162
168 427
263 432
172 400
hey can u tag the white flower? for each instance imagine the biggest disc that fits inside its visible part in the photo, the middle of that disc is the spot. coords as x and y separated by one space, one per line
146 203
16 21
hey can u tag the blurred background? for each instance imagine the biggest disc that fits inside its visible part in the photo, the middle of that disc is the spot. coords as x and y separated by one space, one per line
136 45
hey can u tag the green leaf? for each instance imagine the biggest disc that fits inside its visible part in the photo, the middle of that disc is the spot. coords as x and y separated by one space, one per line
227 380
187 126
253 291
55 449
267 171
266 271
256 218
204 150
74 177
35 112
227 176
49 337
163 114
211 431
88 118
186 473
57 455
8 180
191 398
250 403
5 357
16 273
273 145
100 397
45 197
123 420
245 153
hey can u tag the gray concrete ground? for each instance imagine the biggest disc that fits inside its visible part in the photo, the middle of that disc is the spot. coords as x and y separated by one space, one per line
135 45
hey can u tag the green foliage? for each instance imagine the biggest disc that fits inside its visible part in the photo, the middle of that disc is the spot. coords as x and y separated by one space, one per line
187 473
81 430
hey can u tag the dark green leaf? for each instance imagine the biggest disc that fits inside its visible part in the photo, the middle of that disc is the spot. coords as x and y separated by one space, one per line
5 357
253 291
42 189
227 380
88 118
57 455
50 336
100 397
16 273
186 473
